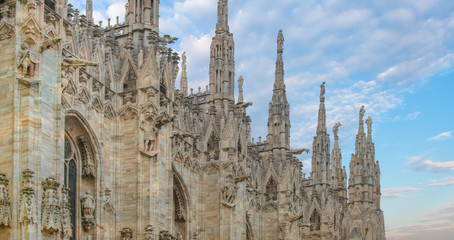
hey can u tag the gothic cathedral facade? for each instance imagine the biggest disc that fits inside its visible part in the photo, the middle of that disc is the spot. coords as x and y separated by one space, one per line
96 142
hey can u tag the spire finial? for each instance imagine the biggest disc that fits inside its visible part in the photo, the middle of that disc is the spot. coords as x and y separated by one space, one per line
184 76
336 129
322 90
223 16
240 89
89 11
280 42
361 114
369 122
321 128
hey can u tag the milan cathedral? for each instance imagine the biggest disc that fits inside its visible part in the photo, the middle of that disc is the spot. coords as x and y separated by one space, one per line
97 143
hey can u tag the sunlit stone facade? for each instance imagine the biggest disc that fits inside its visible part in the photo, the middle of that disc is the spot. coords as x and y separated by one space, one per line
96 142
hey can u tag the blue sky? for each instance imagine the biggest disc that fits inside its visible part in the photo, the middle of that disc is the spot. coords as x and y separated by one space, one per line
394 57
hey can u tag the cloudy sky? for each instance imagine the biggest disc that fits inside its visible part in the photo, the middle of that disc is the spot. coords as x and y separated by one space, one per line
394 57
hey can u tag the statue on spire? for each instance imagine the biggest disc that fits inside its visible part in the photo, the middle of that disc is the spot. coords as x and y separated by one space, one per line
361 114
322 89
280 42
336 129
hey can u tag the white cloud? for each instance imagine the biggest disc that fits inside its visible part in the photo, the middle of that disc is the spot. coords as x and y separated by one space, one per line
409 117
423 163
441 136
116 9
437 224
446 182
397 192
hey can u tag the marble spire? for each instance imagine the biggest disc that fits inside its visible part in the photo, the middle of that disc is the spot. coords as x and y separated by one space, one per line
184 76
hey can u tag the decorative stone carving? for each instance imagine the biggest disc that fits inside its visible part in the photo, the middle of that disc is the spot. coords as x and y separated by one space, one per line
180 209
66 77
48 43
51 214
285 231
179 236
88 205
299 151
27 208
229 192
165 235
88 163
31 4
361 114
126 234
5 206
149 136
322 90
336 129
108 206
28 61
163 118
149 232
66 215
6 31
5 12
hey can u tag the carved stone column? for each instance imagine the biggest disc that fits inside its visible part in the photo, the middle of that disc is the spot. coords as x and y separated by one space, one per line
66 214
5 206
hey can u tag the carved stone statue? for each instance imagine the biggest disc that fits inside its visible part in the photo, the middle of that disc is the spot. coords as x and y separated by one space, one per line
149 232
179 236
27 61
88 205
51 214
126 234
361 114
66 76
369 122
165 235
5 206
280 41
229 192
108 206
27 208
322 90
336 129
149 136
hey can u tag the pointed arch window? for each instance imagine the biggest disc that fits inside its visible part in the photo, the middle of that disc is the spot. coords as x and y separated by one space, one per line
271 189
180 208
315 220
71 182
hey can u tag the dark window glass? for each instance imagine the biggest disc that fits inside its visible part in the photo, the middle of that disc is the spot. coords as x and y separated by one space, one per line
72 185
68 150
50 4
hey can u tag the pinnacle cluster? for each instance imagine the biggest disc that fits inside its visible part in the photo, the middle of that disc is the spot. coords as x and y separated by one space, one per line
97 143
